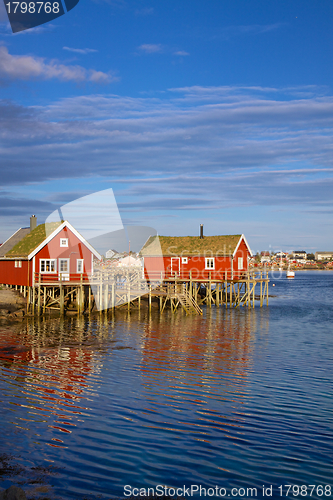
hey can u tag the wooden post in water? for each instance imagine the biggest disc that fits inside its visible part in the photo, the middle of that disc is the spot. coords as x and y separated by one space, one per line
101 296
33 299
113 294
81 294
38 300
106 296
128 292
248 291
44 300
62 302
150 297
28 298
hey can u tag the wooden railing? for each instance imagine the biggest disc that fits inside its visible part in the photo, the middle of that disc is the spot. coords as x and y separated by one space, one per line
123 276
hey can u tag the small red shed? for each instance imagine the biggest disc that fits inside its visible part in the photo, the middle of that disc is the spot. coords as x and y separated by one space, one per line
51 251
220 257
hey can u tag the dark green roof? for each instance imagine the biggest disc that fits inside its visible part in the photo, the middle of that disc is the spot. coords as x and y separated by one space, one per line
32 240
190 245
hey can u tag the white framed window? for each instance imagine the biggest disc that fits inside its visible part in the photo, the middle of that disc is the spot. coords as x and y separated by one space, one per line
18 263
63 265
79 266
64 242
184 260
210 263
240 263
47 266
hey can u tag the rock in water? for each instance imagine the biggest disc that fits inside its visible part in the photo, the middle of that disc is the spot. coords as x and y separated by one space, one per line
13 493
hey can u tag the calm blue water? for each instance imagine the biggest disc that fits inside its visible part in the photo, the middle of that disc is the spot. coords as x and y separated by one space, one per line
235 399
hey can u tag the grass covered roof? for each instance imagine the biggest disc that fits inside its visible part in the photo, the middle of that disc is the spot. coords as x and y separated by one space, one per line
32 240
190 245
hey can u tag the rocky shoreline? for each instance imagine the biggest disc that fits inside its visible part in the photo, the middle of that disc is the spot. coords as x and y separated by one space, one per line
13 305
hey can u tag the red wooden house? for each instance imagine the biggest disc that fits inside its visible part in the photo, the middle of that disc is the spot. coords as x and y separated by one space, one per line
220 257
47 252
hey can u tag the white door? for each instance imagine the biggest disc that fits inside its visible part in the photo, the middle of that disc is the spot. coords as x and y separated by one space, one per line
64 269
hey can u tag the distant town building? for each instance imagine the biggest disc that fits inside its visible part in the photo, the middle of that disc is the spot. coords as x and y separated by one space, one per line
129 261
299 254
281 255
323 255
265 257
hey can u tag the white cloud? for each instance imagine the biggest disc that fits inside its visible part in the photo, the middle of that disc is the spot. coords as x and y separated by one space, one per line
150 48
252 29
31 67
218 151
80 51
181 53
220 147
144 12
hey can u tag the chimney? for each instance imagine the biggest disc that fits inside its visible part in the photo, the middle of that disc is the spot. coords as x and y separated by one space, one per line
33 222
201 231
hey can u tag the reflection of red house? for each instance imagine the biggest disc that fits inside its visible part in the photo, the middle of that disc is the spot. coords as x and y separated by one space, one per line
52 250
217 256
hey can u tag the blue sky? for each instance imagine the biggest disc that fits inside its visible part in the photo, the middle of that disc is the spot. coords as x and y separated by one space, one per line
217 112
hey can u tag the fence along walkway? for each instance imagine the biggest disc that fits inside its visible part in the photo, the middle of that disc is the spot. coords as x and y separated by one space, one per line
107 289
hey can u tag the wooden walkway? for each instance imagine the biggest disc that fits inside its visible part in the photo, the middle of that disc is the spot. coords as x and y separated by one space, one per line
125 287
107 290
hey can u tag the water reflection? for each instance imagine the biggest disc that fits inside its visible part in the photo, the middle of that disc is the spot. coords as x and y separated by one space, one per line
131 392
198 368
48 363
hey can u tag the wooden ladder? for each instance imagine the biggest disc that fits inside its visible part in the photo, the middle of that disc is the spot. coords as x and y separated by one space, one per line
189 304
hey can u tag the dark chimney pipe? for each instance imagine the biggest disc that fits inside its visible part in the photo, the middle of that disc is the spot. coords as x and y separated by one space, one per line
201 231
33 222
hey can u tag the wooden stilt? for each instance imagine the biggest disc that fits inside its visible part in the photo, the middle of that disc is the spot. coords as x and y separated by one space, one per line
62 301
100 297
33 300
106 296
44 299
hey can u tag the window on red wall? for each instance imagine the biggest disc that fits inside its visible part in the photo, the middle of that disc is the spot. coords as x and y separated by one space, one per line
79 265
48 265
64 242
209 263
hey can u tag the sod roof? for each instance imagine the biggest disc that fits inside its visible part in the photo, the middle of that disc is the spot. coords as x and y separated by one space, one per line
32 240
190 245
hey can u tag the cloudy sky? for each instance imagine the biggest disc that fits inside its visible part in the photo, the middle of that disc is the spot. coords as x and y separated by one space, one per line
216 112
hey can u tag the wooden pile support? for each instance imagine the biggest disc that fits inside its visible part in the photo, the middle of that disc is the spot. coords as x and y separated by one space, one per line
126 287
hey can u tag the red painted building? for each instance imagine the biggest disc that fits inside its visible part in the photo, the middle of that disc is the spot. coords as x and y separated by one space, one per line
220 257
47 252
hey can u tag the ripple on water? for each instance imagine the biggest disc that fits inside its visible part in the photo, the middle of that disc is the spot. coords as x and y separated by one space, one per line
235 398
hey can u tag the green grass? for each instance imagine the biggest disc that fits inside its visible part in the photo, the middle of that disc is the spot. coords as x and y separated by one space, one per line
190 245
31 241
